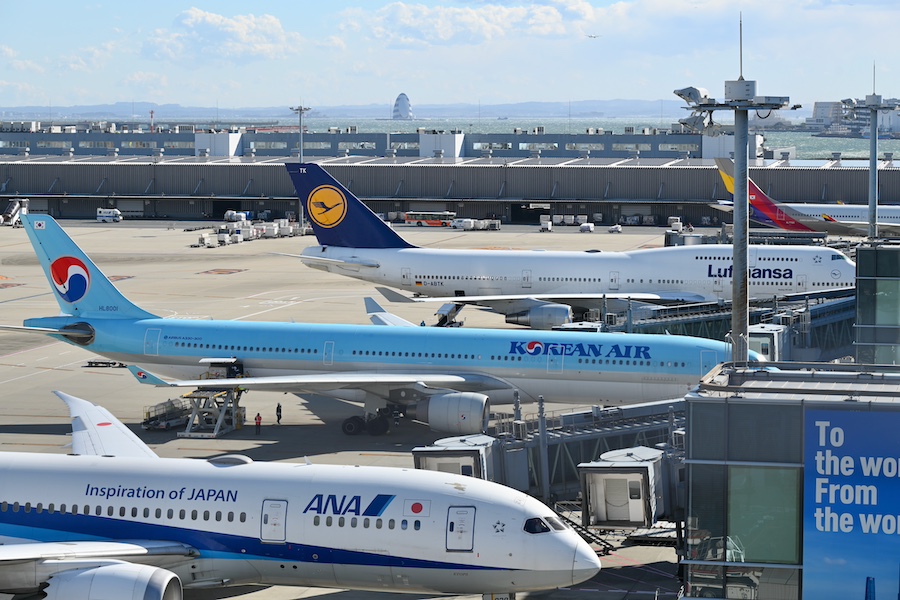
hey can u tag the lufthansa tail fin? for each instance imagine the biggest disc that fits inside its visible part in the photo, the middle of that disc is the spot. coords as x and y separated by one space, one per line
80 288
338 217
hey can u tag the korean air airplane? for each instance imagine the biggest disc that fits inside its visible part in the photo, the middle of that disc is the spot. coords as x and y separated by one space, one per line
537 288
440 376
833 219
112 520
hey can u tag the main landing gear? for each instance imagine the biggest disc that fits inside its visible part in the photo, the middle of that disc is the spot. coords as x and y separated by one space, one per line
377 424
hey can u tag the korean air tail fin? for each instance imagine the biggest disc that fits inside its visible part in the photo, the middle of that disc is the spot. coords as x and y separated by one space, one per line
80 288
338 217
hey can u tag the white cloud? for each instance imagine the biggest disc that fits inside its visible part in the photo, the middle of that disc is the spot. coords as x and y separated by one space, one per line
242 37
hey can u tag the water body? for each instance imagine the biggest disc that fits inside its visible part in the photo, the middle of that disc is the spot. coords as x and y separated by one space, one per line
807 146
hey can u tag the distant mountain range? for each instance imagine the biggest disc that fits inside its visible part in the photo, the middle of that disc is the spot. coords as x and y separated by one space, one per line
165 113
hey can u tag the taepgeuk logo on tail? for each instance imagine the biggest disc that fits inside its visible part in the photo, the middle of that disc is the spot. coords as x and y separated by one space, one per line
326 206
70 277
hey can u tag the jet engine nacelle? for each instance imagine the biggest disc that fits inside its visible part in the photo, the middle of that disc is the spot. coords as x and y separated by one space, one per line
543 316
461 413
124 581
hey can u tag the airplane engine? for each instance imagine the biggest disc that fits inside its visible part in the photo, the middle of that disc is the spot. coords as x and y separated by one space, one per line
124 581
543 316
460 413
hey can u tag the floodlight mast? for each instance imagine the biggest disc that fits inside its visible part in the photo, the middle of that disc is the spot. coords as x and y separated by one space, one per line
740 97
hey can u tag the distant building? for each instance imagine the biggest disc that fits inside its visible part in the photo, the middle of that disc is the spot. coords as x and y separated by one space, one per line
402 108
825 114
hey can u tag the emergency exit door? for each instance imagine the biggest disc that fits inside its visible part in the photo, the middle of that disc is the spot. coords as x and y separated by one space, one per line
272 523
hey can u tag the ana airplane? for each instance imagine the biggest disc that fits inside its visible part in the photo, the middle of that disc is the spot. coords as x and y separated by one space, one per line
537 288
439 376
113 520
833 219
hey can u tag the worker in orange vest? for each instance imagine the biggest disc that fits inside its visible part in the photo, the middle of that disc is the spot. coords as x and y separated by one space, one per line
258 422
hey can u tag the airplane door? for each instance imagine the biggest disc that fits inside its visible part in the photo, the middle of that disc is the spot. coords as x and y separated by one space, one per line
613 280
272 523
405 277
151 342
460 528
801 283
526 278
708 360
554 362
328 353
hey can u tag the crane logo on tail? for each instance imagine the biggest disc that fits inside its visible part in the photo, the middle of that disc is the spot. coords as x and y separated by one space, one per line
326 206
70 278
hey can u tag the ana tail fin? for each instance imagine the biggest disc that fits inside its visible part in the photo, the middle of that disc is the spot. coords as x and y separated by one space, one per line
338 217
81 289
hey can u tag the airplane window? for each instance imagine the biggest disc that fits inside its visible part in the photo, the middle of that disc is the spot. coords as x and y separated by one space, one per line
353 521
340 521
193 515
390 523
218 515
417 525
15 507
170 514
243 517
146 513
403 524
366 523
109 511
158 513
134 512
536 525
206 515
556 523
39 508
328 521
181 514
377 523
316 520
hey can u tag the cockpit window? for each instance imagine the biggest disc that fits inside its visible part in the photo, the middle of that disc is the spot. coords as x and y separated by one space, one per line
556 523
536 525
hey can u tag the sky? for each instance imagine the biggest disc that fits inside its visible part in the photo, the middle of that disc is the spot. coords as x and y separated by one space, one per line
266 53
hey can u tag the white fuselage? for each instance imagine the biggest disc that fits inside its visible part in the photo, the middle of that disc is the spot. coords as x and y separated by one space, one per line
695 273
292 524
855 213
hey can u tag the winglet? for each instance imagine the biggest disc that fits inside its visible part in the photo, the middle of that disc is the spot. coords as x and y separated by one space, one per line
379 316
338 217
146 377
96 432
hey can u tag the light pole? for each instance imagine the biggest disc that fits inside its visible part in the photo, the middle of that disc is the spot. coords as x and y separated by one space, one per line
300 109
740 97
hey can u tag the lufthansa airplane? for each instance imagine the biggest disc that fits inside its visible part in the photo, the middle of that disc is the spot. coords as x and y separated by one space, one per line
112 520
537 288
833 219
440 376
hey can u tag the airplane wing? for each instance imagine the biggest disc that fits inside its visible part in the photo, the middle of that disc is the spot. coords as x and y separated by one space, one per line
571 299
861 228
96 432
18 553
379 316
377 382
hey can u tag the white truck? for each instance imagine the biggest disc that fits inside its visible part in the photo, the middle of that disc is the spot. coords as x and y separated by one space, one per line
109 215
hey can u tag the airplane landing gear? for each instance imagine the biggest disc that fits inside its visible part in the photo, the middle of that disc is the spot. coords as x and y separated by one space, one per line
378 426
353 426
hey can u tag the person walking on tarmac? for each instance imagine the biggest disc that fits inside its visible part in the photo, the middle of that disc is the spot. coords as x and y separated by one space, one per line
258 423
278 413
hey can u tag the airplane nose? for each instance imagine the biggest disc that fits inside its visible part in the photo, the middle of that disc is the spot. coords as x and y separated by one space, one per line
585 564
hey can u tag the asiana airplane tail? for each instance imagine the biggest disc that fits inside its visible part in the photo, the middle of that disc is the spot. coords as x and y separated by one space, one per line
338 217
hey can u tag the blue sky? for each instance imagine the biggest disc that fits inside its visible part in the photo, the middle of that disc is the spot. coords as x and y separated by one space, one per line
266 53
